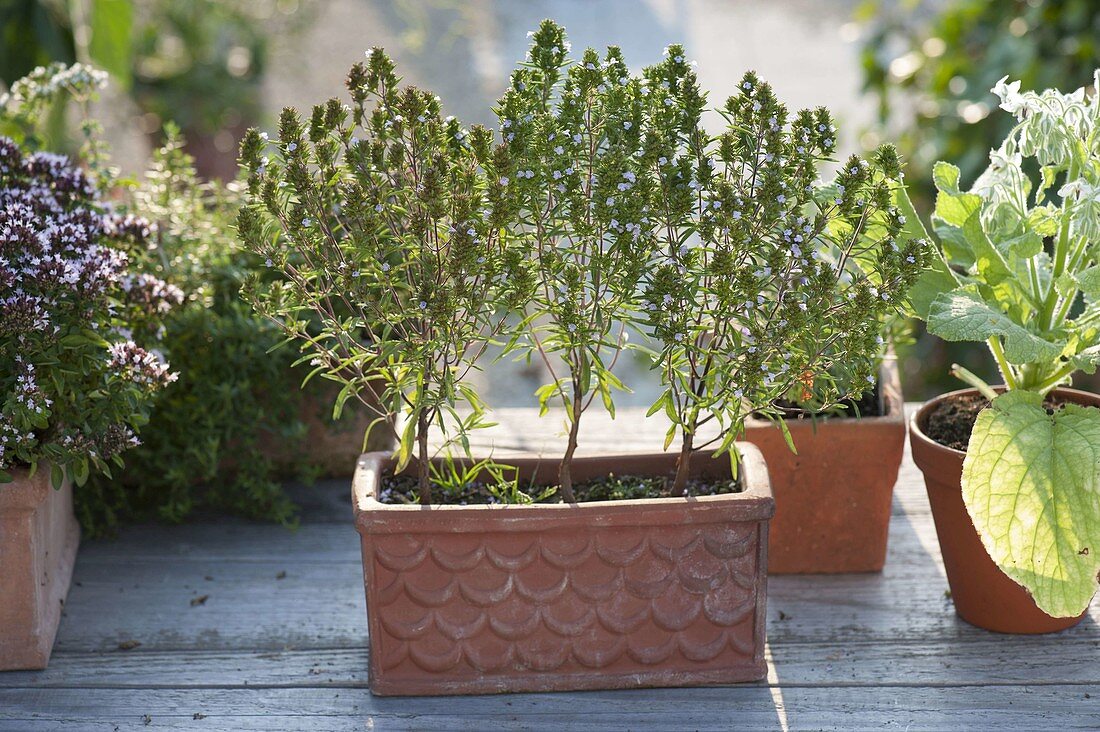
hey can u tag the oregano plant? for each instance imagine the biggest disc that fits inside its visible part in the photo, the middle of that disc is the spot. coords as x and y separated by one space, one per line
1019 270
388 231
79 324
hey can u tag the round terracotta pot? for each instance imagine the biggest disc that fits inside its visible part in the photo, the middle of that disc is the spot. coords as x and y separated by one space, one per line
984 595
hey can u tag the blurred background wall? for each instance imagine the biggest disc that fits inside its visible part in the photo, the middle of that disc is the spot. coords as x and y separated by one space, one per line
910 71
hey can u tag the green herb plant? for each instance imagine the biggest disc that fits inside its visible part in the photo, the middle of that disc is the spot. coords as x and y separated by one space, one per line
603 210
386 226
767 282
577 137
1020 271
208 443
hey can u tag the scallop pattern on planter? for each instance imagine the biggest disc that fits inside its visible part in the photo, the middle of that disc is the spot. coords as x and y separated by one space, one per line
569 600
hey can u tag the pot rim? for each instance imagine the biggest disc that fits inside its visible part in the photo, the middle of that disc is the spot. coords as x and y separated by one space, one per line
916 432
757 490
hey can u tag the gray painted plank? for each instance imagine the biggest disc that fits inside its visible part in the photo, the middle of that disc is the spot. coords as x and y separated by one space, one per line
1011 707
268 650
141 588
988 659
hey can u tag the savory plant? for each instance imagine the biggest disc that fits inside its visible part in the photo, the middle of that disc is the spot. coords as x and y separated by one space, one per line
75 385
767 283
389 237
582 176
1020 271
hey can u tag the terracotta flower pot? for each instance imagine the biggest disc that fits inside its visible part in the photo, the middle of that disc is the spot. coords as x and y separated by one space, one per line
832 498
601 595
984 595
331 447
39 536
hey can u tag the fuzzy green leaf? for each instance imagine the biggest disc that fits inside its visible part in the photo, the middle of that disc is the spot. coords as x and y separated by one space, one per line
961 316
953 207
937 279
1088 280
1031 484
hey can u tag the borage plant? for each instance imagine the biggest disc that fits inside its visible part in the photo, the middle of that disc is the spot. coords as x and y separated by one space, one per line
390 235
75 385
767 282
1020 272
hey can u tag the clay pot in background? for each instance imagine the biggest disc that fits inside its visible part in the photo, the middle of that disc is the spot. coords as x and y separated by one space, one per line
833 498
983 595
39 537
555 597
331 448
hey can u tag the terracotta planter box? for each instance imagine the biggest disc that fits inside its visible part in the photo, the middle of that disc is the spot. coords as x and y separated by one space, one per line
38 541
832 499
983 595
601 595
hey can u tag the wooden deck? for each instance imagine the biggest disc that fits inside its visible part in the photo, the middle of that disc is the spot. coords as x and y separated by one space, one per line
231 625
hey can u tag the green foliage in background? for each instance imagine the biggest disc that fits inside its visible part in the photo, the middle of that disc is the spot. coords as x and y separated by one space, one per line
38 32
931 66
204 447
200 63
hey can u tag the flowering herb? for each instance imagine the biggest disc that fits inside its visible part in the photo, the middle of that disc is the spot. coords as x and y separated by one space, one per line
389 236
767 282
74 383
754 279
1019 270
605 207
583 179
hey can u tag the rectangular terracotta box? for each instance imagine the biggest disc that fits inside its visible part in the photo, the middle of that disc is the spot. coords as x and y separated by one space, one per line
601 595
39 537
833 499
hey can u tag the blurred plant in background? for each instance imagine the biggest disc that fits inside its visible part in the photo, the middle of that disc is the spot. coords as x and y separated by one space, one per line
931 66
199 63
206 443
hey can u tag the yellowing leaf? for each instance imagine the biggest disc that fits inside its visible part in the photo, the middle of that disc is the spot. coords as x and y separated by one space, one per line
1031 482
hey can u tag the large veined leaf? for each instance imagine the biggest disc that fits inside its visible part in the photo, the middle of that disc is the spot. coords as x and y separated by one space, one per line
937 279
1031 482
962 316
953 206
